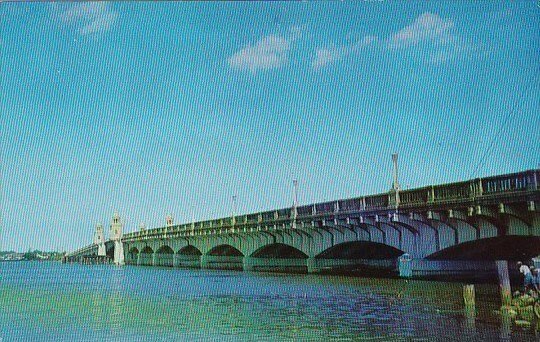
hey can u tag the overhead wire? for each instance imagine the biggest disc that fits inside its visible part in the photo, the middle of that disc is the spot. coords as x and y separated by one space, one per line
518 104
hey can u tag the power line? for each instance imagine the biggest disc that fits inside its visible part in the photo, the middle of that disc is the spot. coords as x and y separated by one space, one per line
510 115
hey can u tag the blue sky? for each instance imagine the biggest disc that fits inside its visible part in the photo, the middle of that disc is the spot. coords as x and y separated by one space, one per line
156 108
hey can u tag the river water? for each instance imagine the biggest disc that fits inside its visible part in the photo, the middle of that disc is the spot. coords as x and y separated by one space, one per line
54 302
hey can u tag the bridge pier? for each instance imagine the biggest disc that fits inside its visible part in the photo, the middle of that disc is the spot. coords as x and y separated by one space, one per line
312 265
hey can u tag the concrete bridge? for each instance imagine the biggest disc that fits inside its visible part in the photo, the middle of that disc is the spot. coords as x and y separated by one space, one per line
452 228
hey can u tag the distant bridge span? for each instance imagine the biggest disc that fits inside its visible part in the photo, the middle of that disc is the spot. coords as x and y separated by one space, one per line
449 228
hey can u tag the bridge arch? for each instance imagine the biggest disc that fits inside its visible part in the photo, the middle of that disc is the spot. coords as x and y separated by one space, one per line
517 225
146 256
110 251
362 257
279 251
165 250
486 226
188 256
164 256
189 250
360 250
509 247
223 256
132 256
225 250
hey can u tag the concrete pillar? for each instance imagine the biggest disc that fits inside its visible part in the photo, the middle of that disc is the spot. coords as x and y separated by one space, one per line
248 264
405 266
204 261
118 252
312 265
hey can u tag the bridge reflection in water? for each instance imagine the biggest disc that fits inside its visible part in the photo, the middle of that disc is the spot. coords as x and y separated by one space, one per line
456 229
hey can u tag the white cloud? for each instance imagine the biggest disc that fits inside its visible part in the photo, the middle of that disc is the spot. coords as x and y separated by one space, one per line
436 34
427 27
269 52
325 56
89 17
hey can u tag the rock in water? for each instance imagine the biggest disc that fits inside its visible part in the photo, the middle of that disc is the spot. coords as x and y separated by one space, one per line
527 313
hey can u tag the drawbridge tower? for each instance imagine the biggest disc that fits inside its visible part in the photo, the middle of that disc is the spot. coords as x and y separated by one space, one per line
99 240
116 237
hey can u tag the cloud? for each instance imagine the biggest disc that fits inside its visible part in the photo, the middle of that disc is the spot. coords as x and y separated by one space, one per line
89 18
325 56
269 52
427 27
436 34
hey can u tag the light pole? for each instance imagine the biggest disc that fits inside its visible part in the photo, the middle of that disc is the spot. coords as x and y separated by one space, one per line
395 185
233 210
295 204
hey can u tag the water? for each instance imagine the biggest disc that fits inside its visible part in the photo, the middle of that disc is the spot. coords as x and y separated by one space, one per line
51 301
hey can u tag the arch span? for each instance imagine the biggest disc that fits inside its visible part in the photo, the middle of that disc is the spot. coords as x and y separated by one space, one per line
146 256
110 252
164 256
358 257
360 250
147 250
225 250
165 250
189 250
132 255
188 256
494 248
279 251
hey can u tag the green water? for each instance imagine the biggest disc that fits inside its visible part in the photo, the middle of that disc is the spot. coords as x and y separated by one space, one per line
51 301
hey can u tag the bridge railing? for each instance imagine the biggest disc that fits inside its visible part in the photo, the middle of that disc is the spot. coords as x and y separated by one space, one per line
284 214
351 205
325 208
252 218
376 201
82 250
453 191
415 196
304 210
510 183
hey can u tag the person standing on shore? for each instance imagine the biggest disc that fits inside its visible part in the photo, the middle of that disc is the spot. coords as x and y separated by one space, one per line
536 279
528 279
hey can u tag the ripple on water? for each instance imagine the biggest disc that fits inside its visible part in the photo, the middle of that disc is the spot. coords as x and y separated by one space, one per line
74 302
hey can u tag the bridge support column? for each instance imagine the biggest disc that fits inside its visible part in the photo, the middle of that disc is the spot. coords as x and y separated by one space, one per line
312 265
248 264
101 249
405 266
118 252
204 261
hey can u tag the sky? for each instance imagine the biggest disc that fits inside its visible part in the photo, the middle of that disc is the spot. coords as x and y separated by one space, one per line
174 107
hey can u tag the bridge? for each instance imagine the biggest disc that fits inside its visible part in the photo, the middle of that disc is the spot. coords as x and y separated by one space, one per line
455 228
